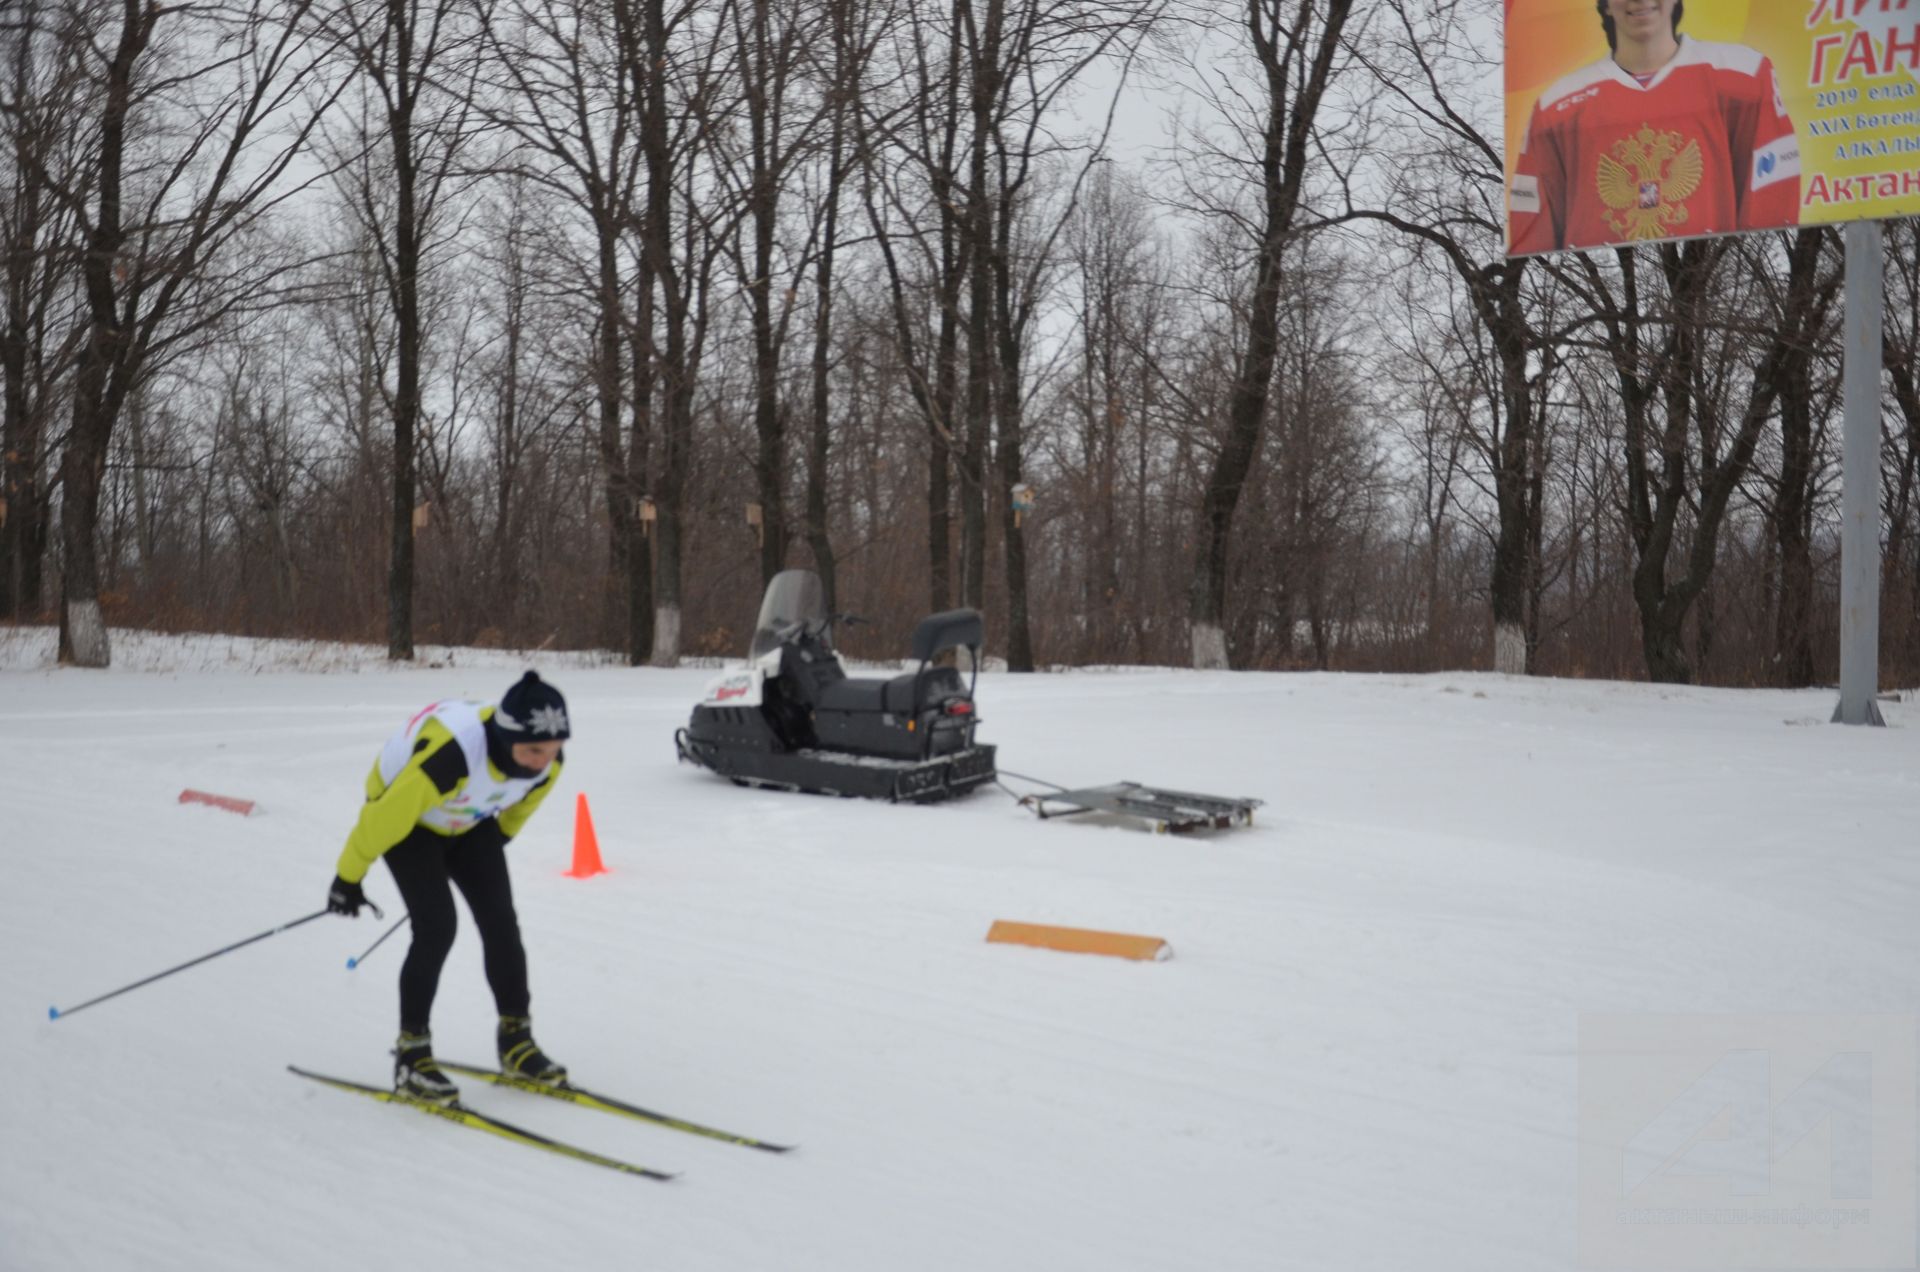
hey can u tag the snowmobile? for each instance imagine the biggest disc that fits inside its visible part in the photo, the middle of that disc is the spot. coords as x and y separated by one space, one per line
793 719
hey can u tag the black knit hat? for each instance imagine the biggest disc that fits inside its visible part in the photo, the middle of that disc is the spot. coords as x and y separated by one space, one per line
532 711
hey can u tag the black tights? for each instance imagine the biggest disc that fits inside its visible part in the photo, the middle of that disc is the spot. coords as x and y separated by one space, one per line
422 864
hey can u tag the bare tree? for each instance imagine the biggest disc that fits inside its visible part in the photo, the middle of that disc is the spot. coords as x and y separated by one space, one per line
188 153
770 49
1444 187
1296 46
673 68
958 157
1115 278
1310 498
851 34
39 99
569 95
1675 427
1045 51
1795 489
266 457
909 136
347 379
415 122
529 384
1442 397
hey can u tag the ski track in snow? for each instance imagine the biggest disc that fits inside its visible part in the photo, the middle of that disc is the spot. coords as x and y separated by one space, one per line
1362 1054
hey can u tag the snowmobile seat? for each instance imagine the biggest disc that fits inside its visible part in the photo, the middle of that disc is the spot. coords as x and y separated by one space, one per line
899 696
854 694
946 630
914 692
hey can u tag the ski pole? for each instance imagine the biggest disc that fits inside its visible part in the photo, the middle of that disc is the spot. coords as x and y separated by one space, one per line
55 1013
355 962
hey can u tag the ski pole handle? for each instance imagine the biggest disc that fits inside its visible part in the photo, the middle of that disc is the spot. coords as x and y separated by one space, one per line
355 962
55 1013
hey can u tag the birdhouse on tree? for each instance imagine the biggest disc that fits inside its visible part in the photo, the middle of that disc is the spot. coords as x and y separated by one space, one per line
1022 502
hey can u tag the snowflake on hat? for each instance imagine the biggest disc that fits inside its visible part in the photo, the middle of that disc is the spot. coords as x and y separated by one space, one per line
549 722
533 711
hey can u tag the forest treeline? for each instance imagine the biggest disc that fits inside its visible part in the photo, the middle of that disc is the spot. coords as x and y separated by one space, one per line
567 323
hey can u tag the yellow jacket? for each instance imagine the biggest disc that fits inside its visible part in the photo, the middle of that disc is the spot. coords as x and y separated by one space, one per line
434 774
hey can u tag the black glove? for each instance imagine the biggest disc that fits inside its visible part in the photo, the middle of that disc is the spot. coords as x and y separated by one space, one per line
347 898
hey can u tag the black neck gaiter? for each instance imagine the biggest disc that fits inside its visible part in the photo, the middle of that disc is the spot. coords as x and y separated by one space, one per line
500 753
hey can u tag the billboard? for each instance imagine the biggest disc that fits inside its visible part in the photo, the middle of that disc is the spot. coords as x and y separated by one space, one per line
1633 121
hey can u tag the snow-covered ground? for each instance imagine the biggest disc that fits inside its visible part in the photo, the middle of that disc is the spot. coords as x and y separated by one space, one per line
1361 1056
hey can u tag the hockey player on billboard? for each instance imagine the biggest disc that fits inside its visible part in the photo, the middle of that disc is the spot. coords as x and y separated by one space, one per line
1670 137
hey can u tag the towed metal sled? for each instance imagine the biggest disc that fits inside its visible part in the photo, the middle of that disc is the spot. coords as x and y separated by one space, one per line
794 719
1168 812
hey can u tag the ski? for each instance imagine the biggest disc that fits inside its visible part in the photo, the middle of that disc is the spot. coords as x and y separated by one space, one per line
607 1104
464 1116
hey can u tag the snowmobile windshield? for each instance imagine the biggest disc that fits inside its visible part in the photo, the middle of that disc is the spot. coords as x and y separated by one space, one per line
794 597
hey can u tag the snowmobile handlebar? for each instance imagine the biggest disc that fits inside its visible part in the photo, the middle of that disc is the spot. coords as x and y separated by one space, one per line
821 628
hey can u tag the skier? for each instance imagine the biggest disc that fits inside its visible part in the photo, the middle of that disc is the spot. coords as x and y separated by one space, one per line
443 799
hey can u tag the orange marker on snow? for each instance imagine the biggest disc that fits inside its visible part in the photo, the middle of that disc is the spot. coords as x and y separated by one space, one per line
586 844
1080 940
232 805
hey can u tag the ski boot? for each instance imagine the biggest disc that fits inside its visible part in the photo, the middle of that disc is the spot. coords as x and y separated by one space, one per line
417 1074
521 1057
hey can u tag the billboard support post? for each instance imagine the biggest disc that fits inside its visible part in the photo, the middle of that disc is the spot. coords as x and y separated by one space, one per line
1860 481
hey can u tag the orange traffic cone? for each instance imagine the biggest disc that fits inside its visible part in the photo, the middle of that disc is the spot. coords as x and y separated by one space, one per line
586 844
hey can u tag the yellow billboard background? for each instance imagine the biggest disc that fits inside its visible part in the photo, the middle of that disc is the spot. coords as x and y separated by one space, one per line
1546 39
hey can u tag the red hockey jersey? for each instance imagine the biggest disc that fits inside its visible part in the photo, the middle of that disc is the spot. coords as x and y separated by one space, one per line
1705 147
